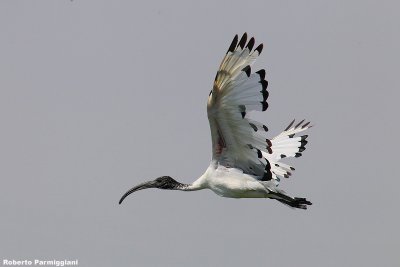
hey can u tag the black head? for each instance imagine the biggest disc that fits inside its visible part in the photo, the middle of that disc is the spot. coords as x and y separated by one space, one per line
163 182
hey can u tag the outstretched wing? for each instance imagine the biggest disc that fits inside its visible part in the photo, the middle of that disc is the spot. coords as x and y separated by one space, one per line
286 144
238 141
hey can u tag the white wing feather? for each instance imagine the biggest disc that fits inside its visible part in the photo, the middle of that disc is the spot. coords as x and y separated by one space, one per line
238 141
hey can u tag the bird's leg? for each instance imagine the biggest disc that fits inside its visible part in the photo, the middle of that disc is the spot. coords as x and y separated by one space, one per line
296 202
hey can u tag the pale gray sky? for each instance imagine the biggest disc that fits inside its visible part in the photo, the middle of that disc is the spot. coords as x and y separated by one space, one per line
97 96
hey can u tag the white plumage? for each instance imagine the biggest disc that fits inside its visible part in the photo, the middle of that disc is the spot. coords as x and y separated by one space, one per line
245 163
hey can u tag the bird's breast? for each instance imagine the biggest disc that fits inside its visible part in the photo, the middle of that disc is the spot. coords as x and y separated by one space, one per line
235 184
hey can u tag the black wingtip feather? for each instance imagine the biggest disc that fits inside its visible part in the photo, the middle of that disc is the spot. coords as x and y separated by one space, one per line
264 84
264 106
233 44
268 142
243 40
259 154
297 126
250 45
259 49
290 125
265 95
261 73
247 69
267 172
253 126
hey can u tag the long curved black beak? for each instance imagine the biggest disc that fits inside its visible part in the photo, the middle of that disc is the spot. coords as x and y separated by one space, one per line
144 185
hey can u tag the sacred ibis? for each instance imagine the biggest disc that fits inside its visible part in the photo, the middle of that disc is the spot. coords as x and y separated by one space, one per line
245 163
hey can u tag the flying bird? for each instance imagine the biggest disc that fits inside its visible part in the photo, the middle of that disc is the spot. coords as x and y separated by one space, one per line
245 162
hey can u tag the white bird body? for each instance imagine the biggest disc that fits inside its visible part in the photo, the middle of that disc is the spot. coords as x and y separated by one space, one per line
230 182
245 163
